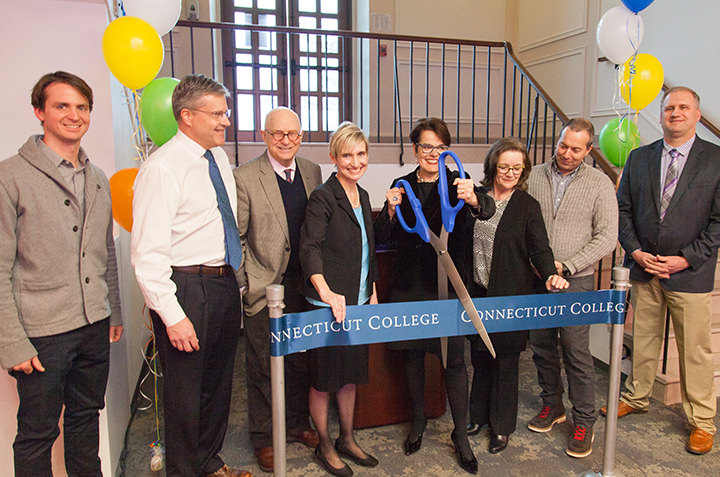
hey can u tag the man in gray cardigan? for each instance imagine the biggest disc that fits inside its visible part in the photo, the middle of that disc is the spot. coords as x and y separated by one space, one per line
580 211
59 298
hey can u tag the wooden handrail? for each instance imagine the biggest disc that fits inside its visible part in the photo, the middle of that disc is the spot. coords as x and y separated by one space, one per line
597 156
347 33
599 159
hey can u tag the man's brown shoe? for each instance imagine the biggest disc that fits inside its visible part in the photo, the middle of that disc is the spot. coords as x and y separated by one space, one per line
699 442
308 437
226 471
264 456
623 410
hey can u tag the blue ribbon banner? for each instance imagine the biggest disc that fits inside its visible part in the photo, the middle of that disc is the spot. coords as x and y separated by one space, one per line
367 324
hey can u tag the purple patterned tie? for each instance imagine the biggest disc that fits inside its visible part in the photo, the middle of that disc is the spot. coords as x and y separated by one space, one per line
288 175
671 179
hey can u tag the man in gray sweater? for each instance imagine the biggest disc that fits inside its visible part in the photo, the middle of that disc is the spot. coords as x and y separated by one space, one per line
581 215
59 296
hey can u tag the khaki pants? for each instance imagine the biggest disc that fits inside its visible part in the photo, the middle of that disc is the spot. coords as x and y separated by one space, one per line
691 315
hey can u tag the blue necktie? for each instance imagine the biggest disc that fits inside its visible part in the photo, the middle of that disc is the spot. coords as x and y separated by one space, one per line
233 249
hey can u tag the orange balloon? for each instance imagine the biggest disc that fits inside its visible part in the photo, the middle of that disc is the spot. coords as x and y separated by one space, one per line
121 188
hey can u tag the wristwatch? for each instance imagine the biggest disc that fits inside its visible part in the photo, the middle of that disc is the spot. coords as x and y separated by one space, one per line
566 271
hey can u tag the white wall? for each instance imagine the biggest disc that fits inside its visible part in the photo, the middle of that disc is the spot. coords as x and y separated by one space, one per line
690 58
39 36
555 39
465 19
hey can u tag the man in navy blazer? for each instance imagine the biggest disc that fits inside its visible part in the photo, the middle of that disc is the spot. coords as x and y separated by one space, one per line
670 229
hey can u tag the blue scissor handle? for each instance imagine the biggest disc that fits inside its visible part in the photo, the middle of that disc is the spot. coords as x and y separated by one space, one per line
421 226
448 212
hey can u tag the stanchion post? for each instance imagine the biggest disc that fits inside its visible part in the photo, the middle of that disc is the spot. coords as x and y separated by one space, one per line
621 281
275 295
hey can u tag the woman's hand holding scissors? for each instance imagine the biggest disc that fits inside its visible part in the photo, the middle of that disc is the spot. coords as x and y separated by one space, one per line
466 191
393 198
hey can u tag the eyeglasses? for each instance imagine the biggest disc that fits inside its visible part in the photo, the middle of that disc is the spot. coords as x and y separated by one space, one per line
216 115
429 148
505 169
279 135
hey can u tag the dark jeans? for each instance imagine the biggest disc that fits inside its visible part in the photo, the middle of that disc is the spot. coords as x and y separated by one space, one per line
257 363
198 385
76 370
579 365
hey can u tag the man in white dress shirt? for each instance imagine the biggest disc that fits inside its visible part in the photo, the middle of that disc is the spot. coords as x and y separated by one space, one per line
184 251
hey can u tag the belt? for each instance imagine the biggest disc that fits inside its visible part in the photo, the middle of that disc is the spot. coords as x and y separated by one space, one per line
205 270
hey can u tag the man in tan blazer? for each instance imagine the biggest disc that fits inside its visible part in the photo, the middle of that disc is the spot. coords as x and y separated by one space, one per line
272 192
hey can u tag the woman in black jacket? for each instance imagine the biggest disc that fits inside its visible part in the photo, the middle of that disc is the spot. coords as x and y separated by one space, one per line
511 256
414 276
337 255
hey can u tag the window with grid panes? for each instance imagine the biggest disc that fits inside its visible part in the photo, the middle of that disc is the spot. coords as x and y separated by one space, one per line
307 72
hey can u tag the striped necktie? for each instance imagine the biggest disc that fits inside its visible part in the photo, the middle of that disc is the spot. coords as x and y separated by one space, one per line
671 180
288 175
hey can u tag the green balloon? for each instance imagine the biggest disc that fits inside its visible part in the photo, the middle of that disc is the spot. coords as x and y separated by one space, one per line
617 139
156 113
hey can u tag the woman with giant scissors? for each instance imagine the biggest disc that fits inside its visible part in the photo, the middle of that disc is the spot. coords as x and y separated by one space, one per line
337 255
511 256
415 277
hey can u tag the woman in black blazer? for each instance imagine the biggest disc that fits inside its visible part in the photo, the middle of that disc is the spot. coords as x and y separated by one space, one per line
414 278
337 255
510 250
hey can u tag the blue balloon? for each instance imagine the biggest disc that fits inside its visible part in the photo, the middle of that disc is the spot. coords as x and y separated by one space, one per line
637 5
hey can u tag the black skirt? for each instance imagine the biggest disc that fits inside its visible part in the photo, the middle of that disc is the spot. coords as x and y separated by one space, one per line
332 367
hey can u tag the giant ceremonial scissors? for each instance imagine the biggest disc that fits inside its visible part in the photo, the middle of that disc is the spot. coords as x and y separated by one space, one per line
446 267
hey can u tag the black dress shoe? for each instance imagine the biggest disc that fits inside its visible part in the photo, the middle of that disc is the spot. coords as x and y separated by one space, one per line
498 442
413 446
368 461
470 464
473 429
344 471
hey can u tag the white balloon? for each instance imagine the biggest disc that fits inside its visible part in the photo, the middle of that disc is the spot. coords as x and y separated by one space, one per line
619 34
161 14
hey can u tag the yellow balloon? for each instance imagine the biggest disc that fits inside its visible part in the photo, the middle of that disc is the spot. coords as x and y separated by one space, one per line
133 51
642 80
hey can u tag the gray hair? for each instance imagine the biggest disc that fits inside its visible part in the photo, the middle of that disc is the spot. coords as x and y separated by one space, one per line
193 87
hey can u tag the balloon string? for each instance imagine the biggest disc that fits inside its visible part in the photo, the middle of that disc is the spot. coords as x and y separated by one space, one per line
629 28
621 109
137 139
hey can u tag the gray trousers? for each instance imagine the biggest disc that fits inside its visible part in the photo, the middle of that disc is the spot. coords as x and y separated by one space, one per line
257 361
579 365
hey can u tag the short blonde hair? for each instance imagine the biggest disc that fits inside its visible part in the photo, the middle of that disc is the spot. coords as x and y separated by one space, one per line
346 135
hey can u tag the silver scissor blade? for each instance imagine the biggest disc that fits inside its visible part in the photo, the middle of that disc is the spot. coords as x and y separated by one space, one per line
462 293
443 292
